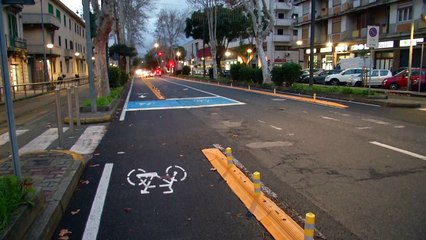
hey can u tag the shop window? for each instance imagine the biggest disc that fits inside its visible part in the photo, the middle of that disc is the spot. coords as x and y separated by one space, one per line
405 14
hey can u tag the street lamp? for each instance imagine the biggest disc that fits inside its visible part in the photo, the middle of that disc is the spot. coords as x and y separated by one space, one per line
227 53
249 51
77 54
50 46
156 45
299 43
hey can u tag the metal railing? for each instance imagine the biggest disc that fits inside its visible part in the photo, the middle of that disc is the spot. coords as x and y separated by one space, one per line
20 91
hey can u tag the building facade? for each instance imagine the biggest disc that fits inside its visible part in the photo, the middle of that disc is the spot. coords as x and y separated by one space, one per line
51 24
341 31
16 44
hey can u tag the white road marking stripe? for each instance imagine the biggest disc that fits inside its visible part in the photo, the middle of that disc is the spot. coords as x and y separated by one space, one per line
400 150
363 128
185 107
124 110
94 219
422 109
261 121
375 121
4 138
41 142
89 140
277 128
278 99
329 118
401 126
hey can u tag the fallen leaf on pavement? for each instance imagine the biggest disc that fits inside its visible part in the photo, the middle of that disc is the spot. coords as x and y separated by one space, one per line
95 165
64 232
85 182
75 212
213 169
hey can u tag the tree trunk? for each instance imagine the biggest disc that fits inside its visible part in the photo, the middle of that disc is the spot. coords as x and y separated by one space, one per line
262 56
101 69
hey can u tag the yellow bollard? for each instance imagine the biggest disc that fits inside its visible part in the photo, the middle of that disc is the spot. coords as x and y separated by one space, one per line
256 182
229 157
309 226
315 96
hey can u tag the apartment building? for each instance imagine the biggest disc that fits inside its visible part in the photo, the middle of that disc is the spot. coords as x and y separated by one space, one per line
16 44
49 23
341 31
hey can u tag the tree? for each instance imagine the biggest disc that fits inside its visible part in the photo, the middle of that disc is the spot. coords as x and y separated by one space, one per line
169 29
231 24
122 52
262 21
104 20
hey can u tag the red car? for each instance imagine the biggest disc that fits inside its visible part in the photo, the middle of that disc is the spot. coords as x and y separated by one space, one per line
400 80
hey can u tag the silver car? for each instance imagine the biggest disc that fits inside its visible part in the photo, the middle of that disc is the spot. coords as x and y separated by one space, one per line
377 77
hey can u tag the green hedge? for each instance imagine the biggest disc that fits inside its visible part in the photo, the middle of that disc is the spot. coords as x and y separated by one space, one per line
186 70
288 72
117 77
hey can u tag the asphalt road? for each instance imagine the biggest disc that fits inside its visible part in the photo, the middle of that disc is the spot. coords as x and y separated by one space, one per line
360 170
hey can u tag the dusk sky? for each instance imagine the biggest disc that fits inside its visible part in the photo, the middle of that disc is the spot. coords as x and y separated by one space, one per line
76 5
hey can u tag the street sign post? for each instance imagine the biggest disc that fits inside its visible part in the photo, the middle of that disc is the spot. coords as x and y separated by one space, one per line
372 42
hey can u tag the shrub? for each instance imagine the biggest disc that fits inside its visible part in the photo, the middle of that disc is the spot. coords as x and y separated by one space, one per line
211 73
186 70
245 74
256 75
12 194
291 72
235 71
124 77
277 75
114 75
104 101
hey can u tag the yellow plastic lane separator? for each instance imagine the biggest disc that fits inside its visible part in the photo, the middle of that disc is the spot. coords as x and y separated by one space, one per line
153 89
273 218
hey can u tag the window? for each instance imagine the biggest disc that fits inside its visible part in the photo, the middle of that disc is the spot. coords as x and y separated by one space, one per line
280 15
306 8
405 14
58 14
65 21
383 72
60 66
66 43
295 32
59 41
280 31
375 73
50 8
13 29
69 23
336 25
71 45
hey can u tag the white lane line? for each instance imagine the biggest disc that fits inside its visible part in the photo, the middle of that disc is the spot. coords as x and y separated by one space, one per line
261 121
400 150
422 109
277 128
89 140
329 118
399 126
94 220
4 138
375 121
124 110
41 142
363 128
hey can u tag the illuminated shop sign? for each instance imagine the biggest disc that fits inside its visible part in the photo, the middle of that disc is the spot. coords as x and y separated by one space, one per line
387 44
359 47
326 50
406 42
342 48
308 51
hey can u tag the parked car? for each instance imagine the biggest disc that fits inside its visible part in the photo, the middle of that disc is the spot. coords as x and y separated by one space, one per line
320 78
377 77
400 80
304 77
344 77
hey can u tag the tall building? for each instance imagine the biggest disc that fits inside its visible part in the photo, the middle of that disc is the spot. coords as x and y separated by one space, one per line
51 22
341 31
16 44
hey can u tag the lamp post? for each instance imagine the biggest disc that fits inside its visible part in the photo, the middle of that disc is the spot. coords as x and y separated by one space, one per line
156 45
249 51
77 55
421 66
178 57
50 46
299 43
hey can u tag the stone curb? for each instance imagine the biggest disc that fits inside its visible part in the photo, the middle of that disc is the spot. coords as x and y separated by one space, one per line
41 224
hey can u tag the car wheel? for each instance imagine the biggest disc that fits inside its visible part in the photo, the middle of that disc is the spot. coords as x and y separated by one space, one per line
394 86
334 82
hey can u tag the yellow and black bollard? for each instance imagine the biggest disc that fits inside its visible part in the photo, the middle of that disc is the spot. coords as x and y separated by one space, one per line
256 182
309 226
229 157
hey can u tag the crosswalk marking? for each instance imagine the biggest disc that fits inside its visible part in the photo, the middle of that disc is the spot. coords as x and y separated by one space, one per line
4 138
89 140
41 142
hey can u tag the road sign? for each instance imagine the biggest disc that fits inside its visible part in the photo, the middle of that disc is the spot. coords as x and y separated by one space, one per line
372 36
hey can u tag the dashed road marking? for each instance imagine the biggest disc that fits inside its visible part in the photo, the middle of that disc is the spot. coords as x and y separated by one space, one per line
94 219
89 140
4 138
375 121
329 118
261 121
422 109
400 126
41 142
400 150
363 128
277 128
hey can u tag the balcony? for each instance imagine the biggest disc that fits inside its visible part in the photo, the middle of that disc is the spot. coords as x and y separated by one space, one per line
39 50
68 54
49 20
283 22
15 43
283 6
282 38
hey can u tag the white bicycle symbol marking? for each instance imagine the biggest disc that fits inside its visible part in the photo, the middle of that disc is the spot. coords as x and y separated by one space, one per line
173 174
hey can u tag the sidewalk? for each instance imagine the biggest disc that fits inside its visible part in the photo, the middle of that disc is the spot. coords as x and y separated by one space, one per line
57 172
